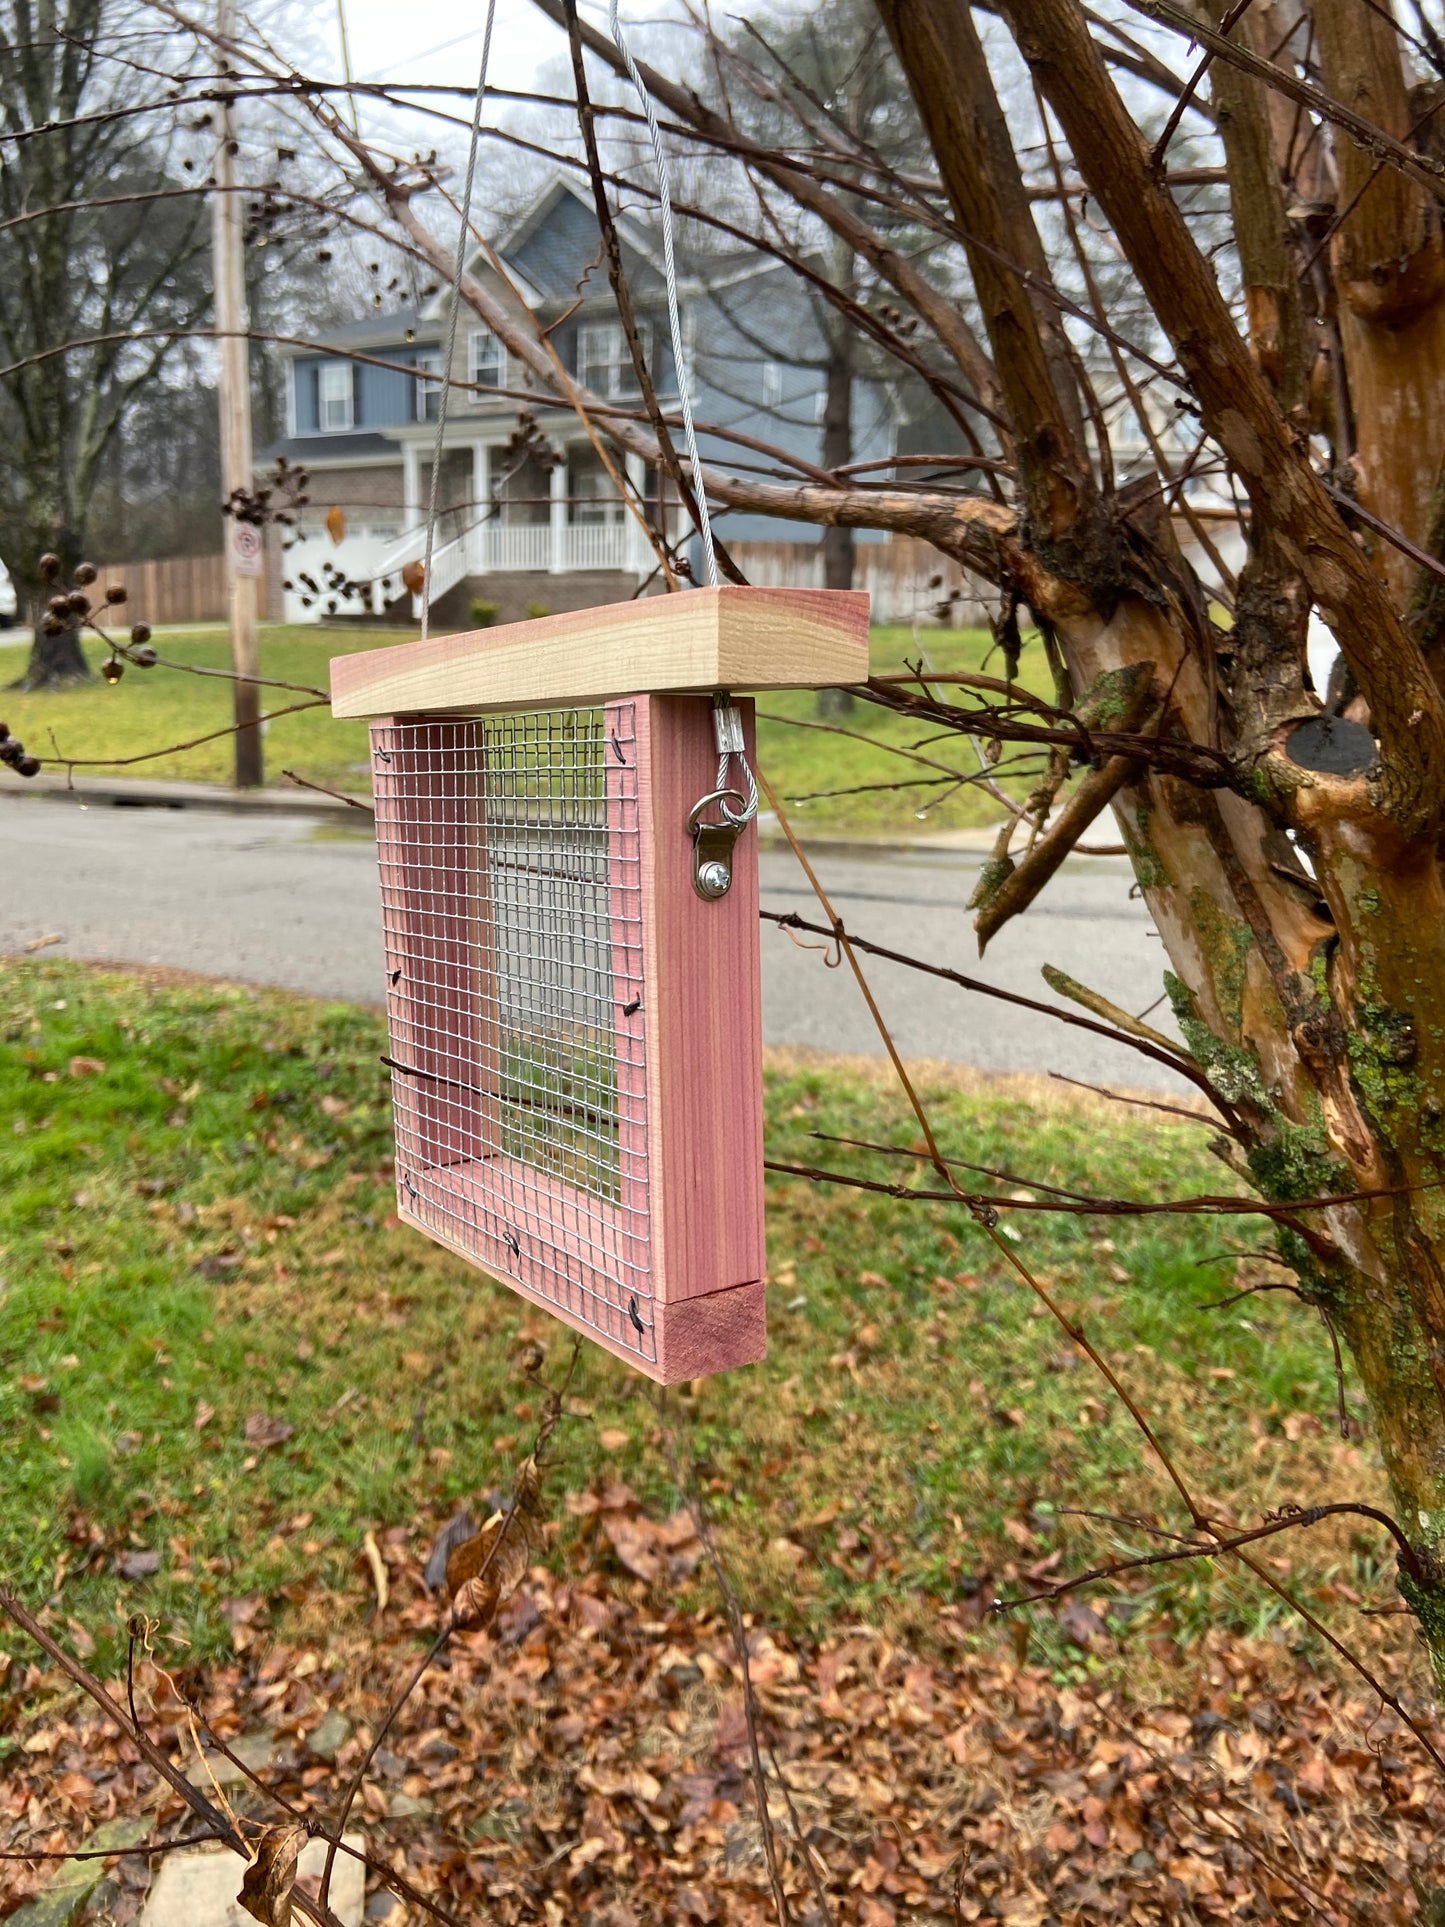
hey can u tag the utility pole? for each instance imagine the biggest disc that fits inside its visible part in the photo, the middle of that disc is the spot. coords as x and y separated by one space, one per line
245 548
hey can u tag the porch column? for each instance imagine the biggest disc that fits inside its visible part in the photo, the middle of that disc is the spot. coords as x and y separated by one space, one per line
557 547
480 517
639 554
411 485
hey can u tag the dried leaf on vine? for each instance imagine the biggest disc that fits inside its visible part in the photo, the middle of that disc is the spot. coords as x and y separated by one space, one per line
336 524
485 1570
266 1890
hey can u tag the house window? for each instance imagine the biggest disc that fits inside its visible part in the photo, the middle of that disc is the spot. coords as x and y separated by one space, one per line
603 362
427 388
334 396
486 363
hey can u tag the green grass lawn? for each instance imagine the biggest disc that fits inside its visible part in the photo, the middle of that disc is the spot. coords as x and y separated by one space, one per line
197 1240
154 709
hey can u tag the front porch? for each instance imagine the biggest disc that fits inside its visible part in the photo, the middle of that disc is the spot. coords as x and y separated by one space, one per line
549 531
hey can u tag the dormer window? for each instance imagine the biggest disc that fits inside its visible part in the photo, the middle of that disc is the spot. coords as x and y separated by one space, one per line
603 362
486 363
335 397
427 389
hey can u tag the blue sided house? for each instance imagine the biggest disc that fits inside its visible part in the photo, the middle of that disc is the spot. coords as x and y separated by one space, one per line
527 515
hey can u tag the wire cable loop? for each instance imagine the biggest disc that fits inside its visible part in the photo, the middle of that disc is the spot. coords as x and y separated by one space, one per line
727 729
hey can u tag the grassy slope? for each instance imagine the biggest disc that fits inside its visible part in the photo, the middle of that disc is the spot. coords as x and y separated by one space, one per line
153 709
200 1231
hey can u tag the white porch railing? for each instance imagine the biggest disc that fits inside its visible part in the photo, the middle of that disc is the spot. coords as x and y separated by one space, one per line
505 546
372 554
522 547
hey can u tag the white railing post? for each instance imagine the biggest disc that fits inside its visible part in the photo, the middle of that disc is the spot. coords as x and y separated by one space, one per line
557 559
410 485
637 555
481 504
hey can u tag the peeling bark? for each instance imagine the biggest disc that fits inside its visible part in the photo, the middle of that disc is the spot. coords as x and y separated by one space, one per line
1389 266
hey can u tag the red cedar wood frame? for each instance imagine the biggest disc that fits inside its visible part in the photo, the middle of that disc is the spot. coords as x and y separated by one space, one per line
701 1009
726 638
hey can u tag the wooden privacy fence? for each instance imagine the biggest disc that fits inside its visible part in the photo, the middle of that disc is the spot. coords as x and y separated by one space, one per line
182 588
908 580
911 581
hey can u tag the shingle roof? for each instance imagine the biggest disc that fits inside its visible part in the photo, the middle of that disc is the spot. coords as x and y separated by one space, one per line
554 249
323 448
377 330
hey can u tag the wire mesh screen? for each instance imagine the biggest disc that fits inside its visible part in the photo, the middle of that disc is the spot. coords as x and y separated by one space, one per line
510 855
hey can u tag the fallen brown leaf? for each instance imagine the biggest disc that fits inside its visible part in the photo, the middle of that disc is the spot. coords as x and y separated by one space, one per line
266 1890
137 1564
263 1431
377 1566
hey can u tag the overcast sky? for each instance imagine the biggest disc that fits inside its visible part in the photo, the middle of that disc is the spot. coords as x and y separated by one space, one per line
437 40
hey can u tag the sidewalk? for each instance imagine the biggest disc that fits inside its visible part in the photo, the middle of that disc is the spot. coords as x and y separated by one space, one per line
151 793
14 638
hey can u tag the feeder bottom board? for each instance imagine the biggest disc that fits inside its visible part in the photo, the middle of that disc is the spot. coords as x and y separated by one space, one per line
463 1207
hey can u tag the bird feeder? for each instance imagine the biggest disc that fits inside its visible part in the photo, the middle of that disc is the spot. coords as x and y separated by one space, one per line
569 898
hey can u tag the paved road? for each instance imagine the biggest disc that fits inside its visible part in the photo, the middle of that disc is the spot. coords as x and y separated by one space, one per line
282 901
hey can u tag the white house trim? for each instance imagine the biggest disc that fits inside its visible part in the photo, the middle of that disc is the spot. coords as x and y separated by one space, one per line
557 489
411 484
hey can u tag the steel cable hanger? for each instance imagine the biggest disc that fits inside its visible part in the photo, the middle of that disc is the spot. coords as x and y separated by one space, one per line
737 806
674 318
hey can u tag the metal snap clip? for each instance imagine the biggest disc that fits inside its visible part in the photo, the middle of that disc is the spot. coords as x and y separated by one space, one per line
712 844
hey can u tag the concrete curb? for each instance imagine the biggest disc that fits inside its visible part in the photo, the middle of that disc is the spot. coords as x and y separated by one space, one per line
119 792
152 793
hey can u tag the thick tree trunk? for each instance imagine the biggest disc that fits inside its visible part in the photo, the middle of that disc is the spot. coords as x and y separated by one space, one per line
55 661
1311 1002
1389 267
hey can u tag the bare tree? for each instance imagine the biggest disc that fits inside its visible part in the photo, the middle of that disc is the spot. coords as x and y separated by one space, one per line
1265 316
1286 844
90 256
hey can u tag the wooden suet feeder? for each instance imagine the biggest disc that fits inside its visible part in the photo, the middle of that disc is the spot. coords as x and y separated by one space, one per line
570 908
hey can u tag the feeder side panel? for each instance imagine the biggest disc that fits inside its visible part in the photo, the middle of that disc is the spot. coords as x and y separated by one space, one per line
705 1058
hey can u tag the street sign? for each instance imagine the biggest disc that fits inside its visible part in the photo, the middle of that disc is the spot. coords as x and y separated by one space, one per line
246 557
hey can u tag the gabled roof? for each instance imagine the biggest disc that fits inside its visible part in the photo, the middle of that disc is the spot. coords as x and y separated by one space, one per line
552 248
514 238
551 255
374 331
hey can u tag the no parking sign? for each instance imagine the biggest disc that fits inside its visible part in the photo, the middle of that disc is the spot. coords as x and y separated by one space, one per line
245 548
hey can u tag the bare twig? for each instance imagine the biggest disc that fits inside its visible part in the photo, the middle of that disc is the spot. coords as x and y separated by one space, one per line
339 796
552 1412
733 1610
1293 1516
792 920
148 1848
